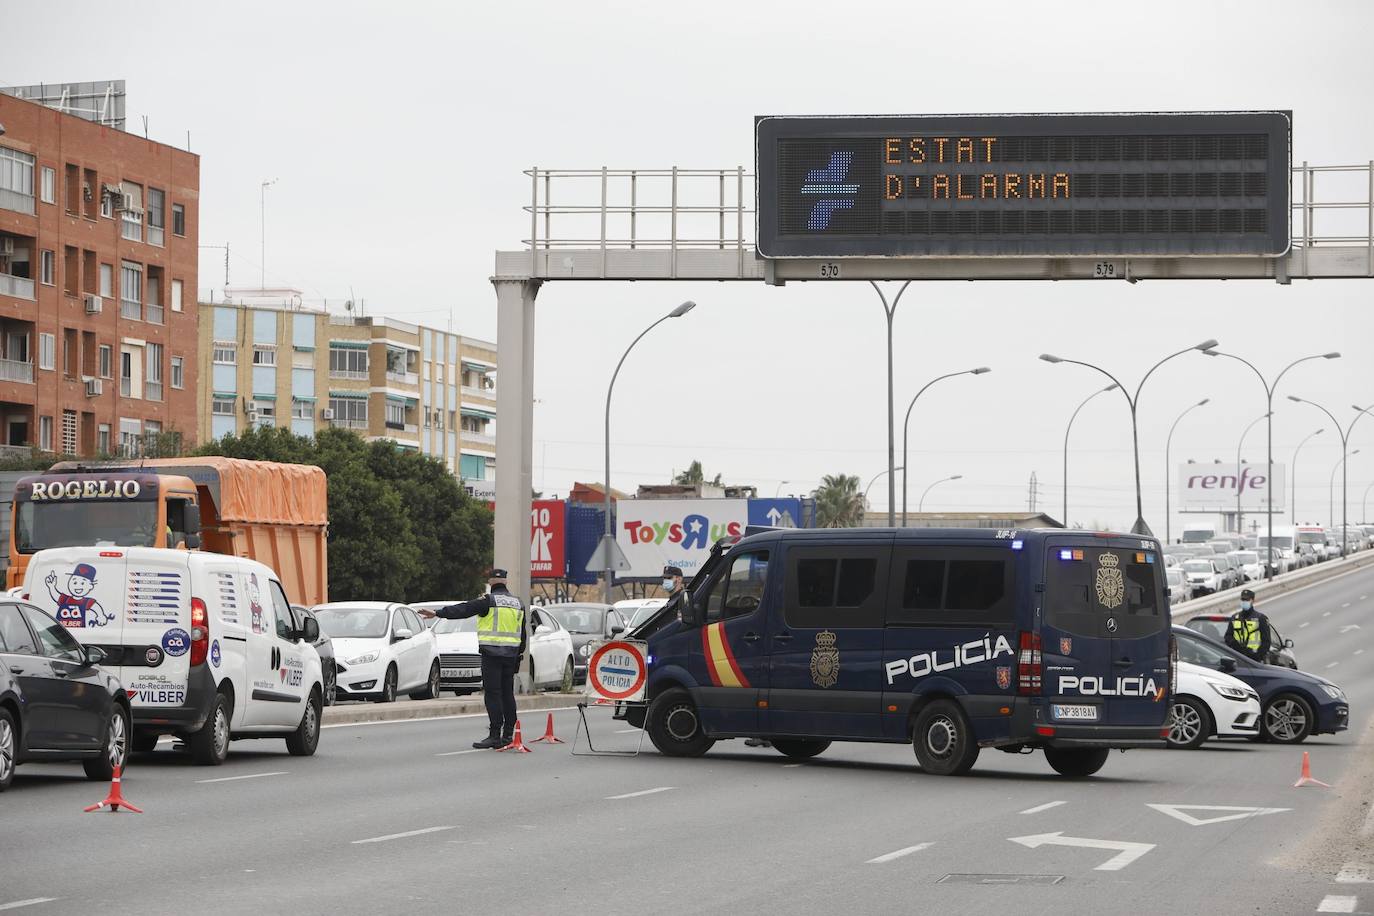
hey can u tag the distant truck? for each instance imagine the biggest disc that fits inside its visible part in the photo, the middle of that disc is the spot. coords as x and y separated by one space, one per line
274 513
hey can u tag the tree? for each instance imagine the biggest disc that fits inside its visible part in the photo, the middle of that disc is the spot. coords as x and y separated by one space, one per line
839 504
694 475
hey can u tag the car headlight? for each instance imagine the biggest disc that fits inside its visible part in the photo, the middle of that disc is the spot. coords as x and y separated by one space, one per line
1231 693
1333 691
585 650
364 658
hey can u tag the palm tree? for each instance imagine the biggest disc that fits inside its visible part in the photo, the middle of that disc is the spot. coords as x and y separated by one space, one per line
839 504
696 475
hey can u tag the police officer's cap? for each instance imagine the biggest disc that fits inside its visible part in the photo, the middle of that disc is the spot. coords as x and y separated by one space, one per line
497 574
670 572
1247 595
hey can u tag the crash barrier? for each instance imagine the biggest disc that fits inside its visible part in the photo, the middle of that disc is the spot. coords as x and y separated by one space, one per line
1229 600
402 710
617 674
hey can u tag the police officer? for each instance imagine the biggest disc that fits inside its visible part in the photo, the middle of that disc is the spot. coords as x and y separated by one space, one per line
501 644
1248 632
672 581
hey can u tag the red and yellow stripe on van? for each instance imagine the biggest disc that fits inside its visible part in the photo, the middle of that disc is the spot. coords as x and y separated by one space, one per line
720 661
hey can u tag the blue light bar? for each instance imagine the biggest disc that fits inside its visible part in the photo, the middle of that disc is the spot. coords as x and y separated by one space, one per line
1066 554
1017 545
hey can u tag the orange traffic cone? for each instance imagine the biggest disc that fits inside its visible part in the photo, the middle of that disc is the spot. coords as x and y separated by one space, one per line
115 799
517 745
1306 778
548 736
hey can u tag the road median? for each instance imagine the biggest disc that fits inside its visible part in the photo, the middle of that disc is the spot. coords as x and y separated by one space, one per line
405 710
1229 600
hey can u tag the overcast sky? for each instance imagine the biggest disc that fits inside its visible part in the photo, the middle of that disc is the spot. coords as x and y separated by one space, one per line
398 133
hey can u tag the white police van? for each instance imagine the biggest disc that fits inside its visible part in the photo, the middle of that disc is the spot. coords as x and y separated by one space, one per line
206 645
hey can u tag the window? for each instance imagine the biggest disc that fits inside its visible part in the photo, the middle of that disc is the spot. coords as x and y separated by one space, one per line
107 281
102 439
1196 652
302 410
741 591
130 437
107 203
350 413
126 372
178 372
178 220
176 296
47 351
47 269
153 296
69 432
131 291
45 433
152 373
347 362
49 193
222 407
157 216
16 180
950 586
71 270
105 355
267 413
53 636
395 414
835 586
14 633
132 214
225 353
69 354
1084 587
264 356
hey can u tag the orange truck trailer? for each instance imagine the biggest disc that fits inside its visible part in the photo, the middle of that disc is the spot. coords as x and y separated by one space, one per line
274 513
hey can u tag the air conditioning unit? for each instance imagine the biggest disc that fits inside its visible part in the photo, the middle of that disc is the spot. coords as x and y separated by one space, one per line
94 386
93 304
327 413
7 245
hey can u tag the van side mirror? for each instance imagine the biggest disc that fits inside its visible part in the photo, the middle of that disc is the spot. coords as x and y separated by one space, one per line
693 612
310 632
192 541
190 519
1227 666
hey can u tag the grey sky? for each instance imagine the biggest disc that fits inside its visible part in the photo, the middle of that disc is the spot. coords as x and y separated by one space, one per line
398 133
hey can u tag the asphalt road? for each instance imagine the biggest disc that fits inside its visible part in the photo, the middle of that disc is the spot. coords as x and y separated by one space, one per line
404 817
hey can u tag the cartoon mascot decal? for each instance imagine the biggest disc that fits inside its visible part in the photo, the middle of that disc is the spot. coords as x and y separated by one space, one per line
76 607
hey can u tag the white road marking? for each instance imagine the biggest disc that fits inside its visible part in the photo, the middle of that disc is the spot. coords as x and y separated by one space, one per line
1335 903
1332 665
898 854
1235 813
471 750
249 776
788 766
1364 597
401 836
30 902
638 794
1354 873
1301 625
626 731
1347 604
1358 651
1348 627
1126 852
1326 613
1045 807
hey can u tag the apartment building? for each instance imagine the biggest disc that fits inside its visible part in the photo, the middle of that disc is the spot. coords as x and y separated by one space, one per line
272 362
98 253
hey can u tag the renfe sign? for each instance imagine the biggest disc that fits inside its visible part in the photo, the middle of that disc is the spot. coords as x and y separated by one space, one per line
1214 487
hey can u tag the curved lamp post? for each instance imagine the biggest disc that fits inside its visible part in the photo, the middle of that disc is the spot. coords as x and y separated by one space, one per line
1345 445
920 504
1294 472
1067 429
906 424
1240 529
1169 470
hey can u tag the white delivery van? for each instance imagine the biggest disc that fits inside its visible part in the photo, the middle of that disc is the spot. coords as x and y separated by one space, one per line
204 643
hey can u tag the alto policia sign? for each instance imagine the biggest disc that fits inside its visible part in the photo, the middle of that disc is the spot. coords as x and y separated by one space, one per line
1040 185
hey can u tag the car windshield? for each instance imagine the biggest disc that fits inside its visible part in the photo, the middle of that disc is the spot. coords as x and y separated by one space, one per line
466 625
1213 628
1173 575
1198 566
644 614
580 619
1247 556
352 622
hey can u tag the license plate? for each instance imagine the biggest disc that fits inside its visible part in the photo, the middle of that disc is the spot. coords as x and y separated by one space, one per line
1085 713
449 673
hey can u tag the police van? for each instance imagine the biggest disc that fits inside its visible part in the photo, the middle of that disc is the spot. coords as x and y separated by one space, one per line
206 644
951 640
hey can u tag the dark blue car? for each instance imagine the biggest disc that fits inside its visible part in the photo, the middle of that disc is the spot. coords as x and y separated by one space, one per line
1296 704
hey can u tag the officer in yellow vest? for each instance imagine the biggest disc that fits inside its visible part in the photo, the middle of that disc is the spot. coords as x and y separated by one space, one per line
1248 631
501 644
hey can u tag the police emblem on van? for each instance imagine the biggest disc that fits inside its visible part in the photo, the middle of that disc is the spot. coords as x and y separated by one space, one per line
1003 677
1111 587
825 660
1065 645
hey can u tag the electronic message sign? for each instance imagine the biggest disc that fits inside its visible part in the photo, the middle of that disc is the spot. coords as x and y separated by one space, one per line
1051 185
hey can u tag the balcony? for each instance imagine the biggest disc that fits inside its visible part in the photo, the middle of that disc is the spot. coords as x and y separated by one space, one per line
405 378
16 201
154 314
487 393
349 424
411 428
12 370
18 287
355 375
16 451
131 310
477 439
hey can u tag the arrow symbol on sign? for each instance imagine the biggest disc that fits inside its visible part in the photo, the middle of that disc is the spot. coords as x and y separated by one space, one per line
1235 813
773 516
1126 852
1350 626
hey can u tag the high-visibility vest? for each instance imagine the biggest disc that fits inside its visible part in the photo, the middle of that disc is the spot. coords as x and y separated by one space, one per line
503 624
1246 632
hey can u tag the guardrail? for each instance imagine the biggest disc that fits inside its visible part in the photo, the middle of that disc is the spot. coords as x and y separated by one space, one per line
1229 600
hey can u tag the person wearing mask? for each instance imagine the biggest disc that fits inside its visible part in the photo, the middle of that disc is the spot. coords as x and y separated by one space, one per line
501 645
1248 632
672 582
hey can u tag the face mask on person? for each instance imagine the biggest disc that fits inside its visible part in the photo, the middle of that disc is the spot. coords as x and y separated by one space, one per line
667 585
1245 606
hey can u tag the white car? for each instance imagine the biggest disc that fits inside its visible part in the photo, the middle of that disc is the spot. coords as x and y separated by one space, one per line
380 649
1178 585
1210 703
1251 566
460 666
1203 577
635 611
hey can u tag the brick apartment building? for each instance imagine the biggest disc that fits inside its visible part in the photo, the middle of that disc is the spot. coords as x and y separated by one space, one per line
98 254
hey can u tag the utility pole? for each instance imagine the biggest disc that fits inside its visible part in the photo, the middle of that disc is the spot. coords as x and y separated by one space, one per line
1034 493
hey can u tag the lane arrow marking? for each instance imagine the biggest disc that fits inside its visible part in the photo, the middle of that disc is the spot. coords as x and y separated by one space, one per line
1350 626
1126 852
1235 813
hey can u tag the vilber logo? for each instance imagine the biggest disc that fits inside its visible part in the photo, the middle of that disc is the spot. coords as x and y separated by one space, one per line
694 531
826 184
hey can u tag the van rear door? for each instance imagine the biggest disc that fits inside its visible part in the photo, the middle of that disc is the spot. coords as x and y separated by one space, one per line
83 587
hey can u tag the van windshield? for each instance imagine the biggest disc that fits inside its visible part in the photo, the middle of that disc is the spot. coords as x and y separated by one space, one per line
1198 537
131 523
1281 541
1085 586
1312 537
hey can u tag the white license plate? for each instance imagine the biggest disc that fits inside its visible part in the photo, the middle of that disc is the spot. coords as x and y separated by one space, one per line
1085 713
449 673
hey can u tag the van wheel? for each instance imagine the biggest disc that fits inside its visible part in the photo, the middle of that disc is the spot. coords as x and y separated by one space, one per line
116 752
210 745
799 748
303 741
431 691
674 726
1287 719
943 740
144 743
9 748
1076 762
388 694
1190 724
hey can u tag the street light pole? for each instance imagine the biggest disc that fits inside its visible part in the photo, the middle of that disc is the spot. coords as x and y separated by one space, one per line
920 505
1269 447
262 231
1240 529
906 424
1345 444
1133 402
872 480
607 538
779 487
889 311
1331 494
1294 472
1364 505
1169 471
1067 429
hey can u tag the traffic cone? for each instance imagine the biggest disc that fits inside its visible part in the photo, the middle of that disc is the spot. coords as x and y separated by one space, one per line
517 745
548 736
1306 778
115 799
